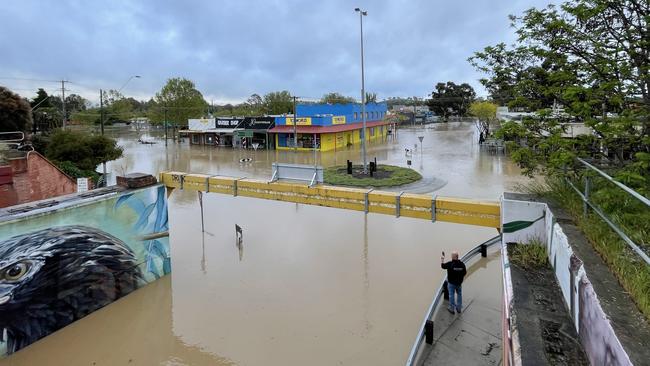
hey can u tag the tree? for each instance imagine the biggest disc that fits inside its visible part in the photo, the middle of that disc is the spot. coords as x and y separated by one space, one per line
182 101
451 100
15 112
41 99
593 58
371 98
486 112
278 102
84 151
75 103
336 98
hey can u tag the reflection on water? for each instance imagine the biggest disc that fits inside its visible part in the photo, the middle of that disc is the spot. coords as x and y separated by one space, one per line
317 285
449 154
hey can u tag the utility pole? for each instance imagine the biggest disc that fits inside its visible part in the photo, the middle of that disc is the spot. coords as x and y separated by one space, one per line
363 95
63 102
101 126
295 122
165 109
415 109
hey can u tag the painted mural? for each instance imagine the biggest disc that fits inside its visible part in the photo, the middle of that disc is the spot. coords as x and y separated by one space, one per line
60 266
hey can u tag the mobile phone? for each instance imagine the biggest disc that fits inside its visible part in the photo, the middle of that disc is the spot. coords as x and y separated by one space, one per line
443 253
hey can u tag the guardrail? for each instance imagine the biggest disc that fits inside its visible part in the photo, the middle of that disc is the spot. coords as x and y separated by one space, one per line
426 329
588 204
307 173
427 207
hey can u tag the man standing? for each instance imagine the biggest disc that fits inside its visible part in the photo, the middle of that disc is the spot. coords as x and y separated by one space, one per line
455 274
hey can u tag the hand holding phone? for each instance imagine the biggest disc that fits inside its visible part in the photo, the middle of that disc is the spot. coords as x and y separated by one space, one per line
443 253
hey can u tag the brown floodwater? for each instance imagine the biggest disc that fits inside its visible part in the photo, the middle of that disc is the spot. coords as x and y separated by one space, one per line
310 285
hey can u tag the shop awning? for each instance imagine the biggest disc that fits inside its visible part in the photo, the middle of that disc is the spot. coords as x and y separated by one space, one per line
327 129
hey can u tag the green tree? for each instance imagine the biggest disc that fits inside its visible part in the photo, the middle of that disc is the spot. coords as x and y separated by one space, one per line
15 112
336 98
278 102
84 151
590 56
182 101
371 98
451 99
41 99
486 112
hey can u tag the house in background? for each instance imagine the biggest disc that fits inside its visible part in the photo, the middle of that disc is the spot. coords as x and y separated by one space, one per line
27 176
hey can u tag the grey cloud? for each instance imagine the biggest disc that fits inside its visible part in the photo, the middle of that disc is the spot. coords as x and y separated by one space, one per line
232 49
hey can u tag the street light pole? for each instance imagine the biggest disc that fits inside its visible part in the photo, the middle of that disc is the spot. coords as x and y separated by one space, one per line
363 95
295 124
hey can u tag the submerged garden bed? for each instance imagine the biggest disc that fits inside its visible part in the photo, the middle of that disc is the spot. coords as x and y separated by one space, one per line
384 176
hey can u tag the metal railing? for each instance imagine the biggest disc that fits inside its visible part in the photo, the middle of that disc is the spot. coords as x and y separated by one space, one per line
589 204
309 173
424 328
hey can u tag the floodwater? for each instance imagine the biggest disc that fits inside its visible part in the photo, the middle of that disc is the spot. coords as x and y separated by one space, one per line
309 284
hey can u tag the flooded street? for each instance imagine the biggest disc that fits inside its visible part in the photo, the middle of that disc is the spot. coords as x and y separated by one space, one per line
310 285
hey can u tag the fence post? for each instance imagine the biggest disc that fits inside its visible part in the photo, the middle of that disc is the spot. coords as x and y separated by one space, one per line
585 206
428 331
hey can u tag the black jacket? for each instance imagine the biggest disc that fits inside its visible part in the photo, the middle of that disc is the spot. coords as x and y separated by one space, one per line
455 271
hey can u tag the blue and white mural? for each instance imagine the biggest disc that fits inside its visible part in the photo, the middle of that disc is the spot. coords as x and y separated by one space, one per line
59 266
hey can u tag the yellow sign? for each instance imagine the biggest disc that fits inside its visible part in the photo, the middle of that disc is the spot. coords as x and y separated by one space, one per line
302 121
338 120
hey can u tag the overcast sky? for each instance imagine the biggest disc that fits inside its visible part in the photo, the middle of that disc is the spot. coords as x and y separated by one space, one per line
232 49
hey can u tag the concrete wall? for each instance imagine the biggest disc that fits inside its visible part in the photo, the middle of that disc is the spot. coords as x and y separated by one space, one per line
70 259
35 178
596 333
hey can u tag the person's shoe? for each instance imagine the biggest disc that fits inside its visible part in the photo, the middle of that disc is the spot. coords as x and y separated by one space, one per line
458 310
450 310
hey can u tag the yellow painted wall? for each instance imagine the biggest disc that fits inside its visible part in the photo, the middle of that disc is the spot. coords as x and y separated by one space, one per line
327 141
337 141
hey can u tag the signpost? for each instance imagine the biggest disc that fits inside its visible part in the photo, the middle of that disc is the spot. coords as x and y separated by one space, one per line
421 138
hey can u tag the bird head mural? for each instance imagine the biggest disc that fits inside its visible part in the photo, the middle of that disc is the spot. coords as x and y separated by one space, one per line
52 277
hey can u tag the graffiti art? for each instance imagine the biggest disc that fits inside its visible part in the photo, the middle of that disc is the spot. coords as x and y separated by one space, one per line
59 266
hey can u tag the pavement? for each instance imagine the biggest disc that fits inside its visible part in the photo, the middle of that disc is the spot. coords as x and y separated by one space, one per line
474 336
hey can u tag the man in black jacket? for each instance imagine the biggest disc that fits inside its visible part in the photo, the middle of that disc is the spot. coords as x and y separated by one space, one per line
455 274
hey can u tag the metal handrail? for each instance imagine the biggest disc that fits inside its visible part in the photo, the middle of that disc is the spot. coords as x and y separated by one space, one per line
436 299
585 199
627 189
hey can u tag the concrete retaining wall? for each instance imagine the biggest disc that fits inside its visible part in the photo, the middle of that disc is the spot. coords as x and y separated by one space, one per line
596 333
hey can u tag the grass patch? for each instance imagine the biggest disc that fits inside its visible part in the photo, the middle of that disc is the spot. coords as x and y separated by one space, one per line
630 270
385 176
530 255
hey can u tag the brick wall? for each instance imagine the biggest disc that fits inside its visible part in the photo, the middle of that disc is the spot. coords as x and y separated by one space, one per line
40 180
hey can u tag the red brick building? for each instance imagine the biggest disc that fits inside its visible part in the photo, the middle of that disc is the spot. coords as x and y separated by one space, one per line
31 177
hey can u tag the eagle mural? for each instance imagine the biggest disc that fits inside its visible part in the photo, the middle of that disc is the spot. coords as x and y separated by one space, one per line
52 277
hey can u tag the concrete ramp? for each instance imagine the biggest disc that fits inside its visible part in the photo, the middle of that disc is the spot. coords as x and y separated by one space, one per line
474 336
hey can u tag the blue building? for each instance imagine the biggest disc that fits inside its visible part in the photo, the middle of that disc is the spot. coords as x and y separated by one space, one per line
330 126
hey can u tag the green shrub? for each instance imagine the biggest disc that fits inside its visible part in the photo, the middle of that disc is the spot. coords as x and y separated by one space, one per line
530 255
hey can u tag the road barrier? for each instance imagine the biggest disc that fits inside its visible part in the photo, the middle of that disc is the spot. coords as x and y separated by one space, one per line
434 208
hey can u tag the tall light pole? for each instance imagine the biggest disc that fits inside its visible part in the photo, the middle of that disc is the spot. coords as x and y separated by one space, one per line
363 95
131 78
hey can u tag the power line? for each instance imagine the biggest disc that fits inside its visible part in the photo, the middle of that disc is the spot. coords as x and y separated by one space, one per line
27 79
